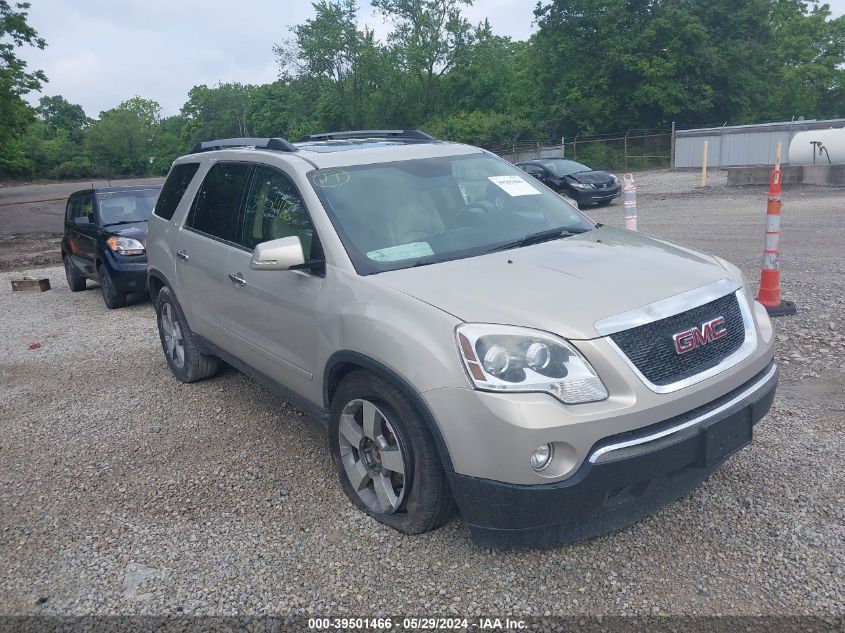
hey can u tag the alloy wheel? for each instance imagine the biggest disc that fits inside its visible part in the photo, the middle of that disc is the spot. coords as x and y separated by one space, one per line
372 455
173 341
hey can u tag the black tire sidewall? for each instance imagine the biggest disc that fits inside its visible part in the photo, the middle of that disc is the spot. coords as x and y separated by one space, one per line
165 296
413 516
112 297
198 365
75 281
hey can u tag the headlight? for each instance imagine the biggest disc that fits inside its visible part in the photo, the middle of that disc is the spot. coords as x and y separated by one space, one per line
508 358
125 245
615 179
581 185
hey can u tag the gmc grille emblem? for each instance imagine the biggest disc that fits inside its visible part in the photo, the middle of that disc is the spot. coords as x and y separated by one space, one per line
692 338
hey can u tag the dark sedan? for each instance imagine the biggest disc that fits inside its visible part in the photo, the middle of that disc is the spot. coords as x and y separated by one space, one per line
584 185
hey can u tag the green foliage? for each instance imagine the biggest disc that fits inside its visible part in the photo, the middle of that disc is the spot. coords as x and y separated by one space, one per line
591 66
16 81
119 144
59 114
218 112
479 128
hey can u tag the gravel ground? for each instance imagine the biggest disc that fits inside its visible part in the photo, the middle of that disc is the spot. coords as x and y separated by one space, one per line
123 491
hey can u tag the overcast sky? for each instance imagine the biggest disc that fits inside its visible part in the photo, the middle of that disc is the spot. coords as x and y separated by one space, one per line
102 52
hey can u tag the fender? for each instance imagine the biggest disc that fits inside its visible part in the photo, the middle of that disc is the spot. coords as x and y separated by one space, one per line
356 358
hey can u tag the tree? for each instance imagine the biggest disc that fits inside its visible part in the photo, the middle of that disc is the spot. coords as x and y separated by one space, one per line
59 114
15 81
620 63
218 112
119 142
809 57
340 61
427 38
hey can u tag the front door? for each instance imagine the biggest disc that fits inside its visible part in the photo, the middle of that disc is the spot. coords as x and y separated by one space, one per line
203 246
274 311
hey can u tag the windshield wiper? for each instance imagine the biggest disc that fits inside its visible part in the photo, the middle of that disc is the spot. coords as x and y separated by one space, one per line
538 237
123 222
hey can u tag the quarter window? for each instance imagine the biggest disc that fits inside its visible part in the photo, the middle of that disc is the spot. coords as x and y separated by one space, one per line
275 210
174 188
215 210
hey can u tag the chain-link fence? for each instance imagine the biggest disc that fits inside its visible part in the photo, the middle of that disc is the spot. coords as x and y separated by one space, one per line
614 152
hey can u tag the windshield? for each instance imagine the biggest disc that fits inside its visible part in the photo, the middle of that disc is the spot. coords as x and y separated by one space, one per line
126 206
416 212
561 168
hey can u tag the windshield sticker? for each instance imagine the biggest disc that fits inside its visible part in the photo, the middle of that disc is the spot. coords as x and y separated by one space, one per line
513 186
331 178
403 251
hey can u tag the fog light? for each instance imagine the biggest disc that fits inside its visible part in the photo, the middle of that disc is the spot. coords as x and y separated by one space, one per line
542 456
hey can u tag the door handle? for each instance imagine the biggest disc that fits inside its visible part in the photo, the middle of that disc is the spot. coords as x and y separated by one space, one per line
237 279
182 255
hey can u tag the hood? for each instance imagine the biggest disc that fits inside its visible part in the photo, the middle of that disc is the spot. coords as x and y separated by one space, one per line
563 286
136 230
591 177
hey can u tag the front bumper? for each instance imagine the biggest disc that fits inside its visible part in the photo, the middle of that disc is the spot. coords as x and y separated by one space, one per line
596 196
625 477
129 274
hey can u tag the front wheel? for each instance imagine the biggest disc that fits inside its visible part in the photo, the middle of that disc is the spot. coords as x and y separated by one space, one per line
111 295
385 456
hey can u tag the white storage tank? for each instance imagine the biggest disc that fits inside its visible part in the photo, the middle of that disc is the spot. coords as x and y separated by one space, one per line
802 150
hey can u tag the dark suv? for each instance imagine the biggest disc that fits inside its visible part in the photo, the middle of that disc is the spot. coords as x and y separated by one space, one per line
104 240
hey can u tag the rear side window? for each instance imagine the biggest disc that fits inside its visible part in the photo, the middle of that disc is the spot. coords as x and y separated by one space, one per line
174 188
74 209
215 210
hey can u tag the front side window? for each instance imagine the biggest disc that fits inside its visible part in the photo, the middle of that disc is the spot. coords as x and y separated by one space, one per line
407 213
561 168
274 210
533 170
125 207
216 206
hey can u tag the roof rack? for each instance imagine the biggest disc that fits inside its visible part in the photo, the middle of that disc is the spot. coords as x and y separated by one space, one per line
279 144
403 135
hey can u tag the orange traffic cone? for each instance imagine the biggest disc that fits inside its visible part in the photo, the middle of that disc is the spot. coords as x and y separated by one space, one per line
769 294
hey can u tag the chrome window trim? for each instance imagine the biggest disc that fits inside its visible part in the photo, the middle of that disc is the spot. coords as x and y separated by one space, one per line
665 307
685 425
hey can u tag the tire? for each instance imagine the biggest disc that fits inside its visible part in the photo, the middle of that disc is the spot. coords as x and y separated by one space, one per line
75 281
112 296
421 499
191 364
604 203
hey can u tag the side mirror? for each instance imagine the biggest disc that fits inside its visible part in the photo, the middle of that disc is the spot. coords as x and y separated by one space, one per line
281 254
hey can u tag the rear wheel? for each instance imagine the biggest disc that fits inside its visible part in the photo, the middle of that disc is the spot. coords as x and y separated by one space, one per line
75 281
111 295
179 343
385 456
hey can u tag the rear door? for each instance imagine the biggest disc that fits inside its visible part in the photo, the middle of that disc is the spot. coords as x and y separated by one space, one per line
273 312
82 232
203 246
